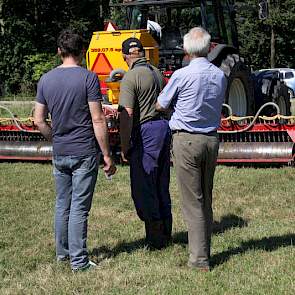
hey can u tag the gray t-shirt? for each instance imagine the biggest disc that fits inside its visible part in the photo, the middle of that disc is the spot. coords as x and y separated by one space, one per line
66 92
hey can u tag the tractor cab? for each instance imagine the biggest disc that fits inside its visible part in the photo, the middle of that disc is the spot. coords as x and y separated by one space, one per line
169 20
176 17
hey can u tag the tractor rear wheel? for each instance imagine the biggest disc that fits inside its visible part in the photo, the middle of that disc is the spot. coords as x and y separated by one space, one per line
240 91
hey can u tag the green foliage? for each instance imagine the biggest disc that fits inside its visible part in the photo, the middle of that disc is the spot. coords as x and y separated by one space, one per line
118 17
31 27
255 34
14 46
35 66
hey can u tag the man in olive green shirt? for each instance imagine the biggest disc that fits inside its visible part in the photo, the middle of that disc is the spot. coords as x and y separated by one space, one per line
145 141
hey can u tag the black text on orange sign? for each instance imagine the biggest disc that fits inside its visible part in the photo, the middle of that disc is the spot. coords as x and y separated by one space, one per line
106 49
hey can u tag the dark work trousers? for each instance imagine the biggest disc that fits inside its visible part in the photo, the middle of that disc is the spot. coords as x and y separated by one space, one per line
150 170
195 161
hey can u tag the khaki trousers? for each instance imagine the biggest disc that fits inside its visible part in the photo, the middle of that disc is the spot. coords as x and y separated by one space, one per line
195 161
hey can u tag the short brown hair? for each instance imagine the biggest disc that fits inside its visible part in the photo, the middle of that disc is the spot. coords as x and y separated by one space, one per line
70 43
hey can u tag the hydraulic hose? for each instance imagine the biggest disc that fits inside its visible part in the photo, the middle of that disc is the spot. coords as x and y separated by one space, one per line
16 121
254 119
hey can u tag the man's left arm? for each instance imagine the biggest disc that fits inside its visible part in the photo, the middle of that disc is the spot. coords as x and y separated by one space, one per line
40 115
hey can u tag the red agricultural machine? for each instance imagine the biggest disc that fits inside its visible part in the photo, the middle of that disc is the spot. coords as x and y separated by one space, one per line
258 139
257 126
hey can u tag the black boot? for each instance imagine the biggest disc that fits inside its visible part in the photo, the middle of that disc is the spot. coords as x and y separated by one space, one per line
155 237
167 223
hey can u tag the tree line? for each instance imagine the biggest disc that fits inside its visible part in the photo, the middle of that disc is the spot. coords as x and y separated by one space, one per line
28 31
28 36
255 35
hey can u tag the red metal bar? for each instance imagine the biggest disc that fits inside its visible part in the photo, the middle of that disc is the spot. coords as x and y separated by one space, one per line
24 158
274 160
259 127
260 134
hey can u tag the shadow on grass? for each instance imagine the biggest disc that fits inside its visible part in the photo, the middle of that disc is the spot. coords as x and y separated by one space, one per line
227 222
266 244
104 252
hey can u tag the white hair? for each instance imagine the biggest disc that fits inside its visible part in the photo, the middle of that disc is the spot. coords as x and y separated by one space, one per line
197 42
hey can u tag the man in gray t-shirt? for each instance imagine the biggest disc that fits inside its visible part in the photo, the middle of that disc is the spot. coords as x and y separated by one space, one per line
72 96
66 91
145 139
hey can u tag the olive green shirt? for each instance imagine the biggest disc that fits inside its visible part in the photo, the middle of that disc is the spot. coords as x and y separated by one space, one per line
139 91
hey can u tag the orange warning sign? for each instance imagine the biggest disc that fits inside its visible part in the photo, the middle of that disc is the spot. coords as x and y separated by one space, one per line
101 65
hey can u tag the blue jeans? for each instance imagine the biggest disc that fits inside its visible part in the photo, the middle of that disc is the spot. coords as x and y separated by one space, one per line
75 179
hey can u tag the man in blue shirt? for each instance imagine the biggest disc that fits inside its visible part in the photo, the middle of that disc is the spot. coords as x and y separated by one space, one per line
195 93
72 96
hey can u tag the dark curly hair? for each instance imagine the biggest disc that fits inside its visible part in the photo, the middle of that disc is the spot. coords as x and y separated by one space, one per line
70 43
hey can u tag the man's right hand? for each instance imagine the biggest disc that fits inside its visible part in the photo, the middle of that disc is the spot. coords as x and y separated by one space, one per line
109 167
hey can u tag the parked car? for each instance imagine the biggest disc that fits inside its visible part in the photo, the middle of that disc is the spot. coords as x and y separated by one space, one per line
288 76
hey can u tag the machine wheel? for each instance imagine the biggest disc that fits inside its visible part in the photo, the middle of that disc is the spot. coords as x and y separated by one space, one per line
281 96
240 92
269 88
291 92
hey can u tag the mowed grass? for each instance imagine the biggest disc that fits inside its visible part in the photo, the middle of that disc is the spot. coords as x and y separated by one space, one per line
252 247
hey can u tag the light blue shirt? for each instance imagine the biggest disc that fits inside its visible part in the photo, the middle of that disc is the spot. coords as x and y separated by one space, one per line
196 93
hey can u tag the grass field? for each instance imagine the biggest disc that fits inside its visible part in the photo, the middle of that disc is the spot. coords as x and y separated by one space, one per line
253 241
18 97
20 109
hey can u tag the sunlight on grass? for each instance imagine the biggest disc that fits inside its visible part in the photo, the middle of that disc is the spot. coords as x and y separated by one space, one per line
252 246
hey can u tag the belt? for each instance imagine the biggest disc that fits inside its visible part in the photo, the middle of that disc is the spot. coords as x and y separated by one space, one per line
153 119
157 118
190 132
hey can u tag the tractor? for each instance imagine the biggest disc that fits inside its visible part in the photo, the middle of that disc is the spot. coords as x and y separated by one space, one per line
176 17
268 139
